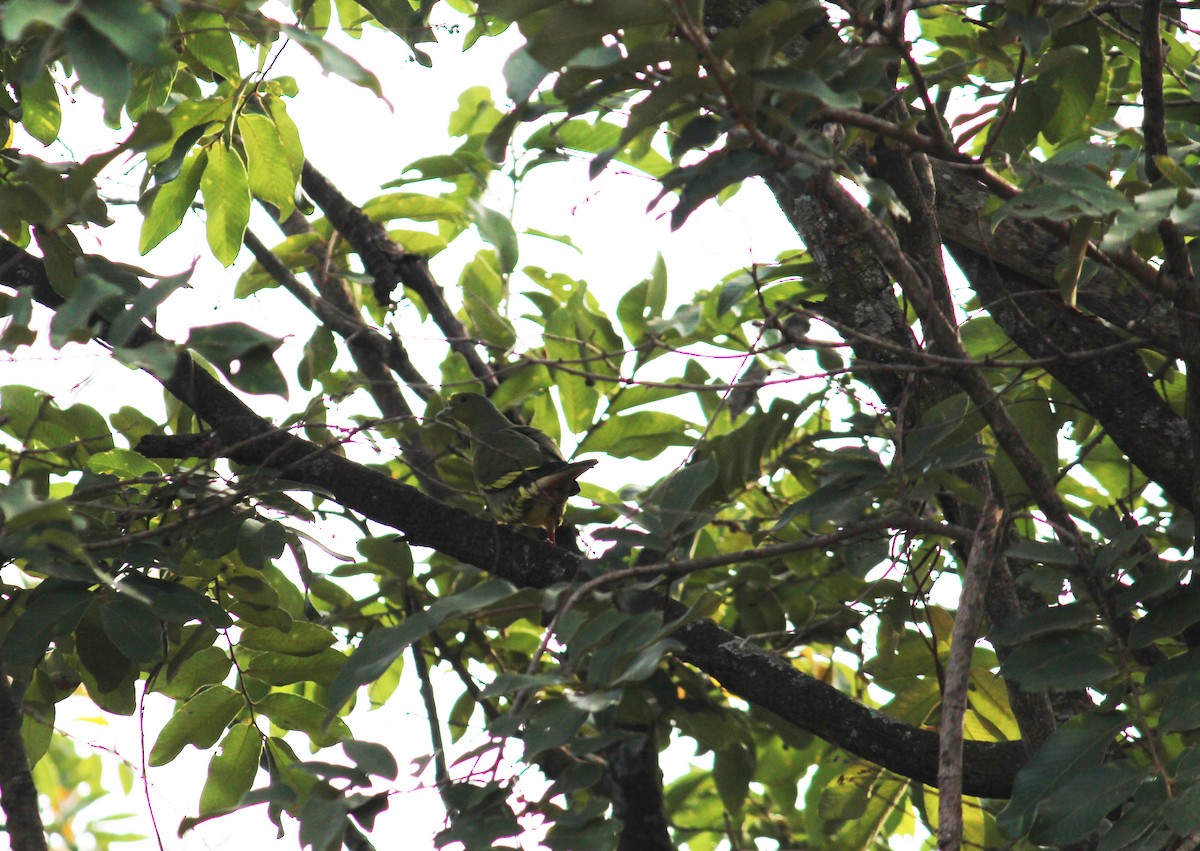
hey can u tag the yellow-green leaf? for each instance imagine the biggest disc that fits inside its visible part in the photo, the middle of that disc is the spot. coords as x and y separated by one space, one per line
271 176
226 191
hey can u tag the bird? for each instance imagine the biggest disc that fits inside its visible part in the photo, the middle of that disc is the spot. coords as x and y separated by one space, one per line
519 470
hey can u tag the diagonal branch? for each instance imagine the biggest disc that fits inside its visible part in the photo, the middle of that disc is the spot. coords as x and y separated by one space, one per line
756 675
372 353
939 328
389 264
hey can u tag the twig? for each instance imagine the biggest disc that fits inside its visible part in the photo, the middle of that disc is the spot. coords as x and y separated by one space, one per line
983 555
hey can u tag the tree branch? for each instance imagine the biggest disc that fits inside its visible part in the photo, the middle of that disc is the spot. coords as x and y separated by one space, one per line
389 263
756 675
980 563
18 795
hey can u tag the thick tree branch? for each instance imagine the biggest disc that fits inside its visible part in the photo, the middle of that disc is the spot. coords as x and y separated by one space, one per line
756 675
939 327
1115 387
18 795
860 304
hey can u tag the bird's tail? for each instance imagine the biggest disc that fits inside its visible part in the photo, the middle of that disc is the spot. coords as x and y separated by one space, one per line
564 478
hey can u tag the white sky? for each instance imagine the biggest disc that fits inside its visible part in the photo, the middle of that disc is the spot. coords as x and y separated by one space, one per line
359 143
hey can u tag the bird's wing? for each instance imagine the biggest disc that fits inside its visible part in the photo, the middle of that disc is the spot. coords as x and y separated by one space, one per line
548 448
505 456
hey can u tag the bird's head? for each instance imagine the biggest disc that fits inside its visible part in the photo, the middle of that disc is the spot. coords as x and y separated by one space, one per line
474 411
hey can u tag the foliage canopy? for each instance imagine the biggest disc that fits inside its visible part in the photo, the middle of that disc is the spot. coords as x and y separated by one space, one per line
947 493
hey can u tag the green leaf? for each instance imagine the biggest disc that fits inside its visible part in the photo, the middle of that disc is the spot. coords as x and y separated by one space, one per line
1042 621
641 434
1166 618
372 758
551 725
1067 760
199 721
289 136
19 15
1074 810
205 667
303 639
54 608
170 202
333 60
208 38
133 628
672 507
293 712
522 75
102 69
73 321
270 175
232 770
1059 661
124 463
733 769
138 30
1181 712
380 648
243 353
497 230
805 82
226 191
41 113
281 669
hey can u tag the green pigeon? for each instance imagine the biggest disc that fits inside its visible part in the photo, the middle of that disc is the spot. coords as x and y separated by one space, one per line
519 470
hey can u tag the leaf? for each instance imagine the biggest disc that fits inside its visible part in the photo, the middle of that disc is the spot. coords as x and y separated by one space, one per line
1181 712
551 725
133 628
733 769
123 463
41 113
1042 621
1079 808
380 648
54 608
672 506
333 60
136 29
497 230
1059 661
170 202
303 639
205 667
232 770
372 758
73 321
269 173
236 344
281 669
1166 618
199 721
1066 761
207 36
641 434
102 70
226 191
293 712
522 75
